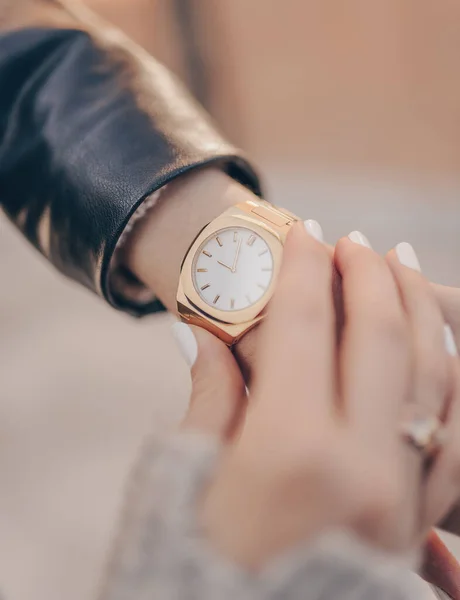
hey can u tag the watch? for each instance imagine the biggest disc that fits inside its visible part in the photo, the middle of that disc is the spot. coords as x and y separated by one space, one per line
228 274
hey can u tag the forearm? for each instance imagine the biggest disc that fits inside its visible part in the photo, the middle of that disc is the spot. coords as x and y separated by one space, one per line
103 126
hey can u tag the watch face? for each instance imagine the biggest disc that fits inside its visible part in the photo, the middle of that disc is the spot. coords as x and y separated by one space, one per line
233 269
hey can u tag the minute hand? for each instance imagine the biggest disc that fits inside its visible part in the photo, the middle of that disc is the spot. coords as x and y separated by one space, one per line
236 256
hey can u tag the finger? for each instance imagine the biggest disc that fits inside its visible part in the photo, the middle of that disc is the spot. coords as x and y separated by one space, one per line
443 482
297 340
440 568
218 396
431 371
245 350
449 300
375 355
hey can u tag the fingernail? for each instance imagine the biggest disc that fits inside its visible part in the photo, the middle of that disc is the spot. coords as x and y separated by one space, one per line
359 238
407 257
186 341
314 229
449 338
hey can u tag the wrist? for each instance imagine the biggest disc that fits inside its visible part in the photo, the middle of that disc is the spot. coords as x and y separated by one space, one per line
158 243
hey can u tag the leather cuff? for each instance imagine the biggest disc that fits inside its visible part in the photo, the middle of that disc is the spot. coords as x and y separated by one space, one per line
89 128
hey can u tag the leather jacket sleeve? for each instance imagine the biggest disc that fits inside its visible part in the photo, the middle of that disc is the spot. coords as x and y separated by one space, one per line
90 125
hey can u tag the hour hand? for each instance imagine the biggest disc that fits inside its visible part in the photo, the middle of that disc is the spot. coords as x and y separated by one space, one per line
226 266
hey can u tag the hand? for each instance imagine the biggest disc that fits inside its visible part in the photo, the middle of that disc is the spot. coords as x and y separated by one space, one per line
317 450
157 245
449 300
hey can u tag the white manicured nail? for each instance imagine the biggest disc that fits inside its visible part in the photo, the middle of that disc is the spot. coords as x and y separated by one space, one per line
314 229
407 256
359 238
449 338
186 341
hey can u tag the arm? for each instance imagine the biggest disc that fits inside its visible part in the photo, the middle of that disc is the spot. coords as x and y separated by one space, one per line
158 243
92 126
449 300
241 504
161 552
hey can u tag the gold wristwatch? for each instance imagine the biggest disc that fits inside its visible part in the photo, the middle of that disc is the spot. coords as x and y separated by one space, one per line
229 272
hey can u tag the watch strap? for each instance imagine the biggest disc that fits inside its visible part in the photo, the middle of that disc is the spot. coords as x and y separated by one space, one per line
278 218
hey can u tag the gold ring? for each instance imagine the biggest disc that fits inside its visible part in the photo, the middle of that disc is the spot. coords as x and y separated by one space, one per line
425 432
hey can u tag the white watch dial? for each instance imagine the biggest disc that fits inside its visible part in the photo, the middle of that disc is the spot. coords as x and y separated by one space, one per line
233 269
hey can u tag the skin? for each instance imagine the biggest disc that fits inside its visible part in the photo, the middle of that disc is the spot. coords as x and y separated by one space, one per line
160 241
310 452
449 300
206 194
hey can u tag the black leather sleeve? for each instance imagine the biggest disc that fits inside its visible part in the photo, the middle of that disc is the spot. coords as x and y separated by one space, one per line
89 129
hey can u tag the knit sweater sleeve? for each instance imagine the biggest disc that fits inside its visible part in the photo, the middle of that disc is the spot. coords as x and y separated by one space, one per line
162 553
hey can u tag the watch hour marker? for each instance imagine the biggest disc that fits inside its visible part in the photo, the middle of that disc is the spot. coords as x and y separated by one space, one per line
244 284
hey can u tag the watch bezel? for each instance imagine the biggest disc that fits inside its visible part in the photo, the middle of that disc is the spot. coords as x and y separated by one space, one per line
273 240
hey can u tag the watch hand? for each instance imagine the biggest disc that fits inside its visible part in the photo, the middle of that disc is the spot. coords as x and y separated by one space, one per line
226 266
236 256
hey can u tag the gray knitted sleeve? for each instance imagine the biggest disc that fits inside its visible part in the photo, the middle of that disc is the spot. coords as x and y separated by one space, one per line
161 553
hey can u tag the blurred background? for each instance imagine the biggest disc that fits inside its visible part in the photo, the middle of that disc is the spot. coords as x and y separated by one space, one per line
352 112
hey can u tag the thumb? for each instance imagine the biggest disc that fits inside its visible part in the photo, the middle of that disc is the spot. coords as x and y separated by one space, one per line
218 399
